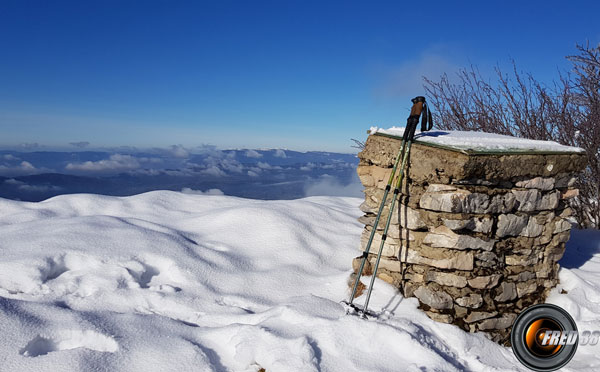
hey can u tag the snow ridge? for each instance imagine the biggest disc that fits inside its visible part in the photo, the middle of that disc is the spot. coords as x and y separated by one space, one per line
172 281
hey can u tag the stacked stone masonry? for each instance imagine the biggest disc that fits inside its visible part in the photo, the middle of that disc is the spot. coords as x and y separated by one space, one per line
476 237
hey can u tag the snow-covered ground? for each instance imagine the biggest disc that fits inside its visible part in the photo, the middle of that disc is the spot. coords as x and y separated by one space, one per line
472 140
167 281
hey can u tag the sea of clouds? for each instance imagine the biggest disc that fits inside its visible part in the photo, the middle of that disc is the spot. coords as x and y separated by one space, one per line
32 174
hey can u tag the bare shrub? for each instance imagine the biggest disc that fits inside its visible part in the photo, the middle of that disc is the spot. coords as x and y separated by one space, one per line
586 93
358 144
567 111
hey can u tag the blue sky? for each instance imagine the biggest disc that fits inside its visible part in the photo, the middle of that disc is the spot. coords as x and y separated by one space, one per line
305 75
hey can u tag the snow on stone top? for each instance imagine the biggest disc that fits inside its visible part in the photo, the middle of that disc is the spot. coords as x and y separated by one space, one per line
479 141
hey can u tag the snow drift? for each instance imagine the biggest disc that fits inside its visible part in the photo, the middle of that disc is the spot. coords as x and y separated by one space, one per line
167 281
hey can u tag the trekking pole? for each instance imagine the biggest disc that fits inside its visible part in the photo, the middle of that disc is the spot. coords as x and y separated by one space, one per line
381 206
405 136
419 107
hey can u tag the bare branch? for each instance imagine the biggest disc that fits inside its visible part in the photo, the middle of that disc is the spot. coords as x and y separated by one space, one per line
358 144
567 111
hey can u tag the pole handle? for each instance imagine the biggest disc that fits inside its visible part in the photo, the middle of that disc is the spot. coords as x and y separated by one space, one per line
417 107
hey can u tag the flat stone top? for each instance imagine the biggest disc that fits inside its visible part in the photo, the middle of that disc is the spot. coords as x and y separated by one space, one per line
479 142
442 164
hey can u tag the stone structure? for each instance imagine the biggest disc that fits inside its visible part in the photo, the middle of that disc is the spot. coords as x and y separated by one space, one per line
477 235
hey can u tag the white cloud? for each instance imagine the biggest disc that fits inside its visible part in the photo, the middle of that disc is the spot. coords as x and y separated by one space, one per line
152 172
252 173
308 167
256 170
327 185
116 162
10 157
263 165
213 171
231 165
12 181
179 151
253 154
279 153
31 188
24 167
187 190
150 160
222 160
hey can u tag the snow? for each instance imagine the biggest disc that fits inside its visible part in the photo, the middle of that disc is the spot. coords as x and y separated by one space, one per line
168 281
479 141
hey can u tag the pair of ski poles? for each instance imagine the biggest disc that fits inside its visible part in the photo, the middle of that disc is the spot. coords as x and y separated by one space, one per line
418 110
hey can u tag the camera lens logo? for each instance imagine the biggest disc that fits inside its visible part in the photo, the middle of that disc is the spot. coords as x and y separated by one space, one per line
544 337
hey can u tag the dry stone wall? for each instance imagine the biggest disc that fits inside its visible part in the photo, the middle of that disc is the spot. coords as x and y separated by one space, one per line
476 237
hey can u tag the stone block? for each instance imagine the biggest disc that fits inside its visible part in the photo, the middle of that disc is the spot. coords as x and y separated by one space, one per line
373 176
520 260
366 220
458 201
567 212
473 300
443 237
436 299
569 194
366 208
506 292
445 259
440 187
460 312
484 282
540 183
476 224
533 229
391 246
386 277
476 316
502 203
528 200
415 277
522 276
410 218
439 317
503 322
561 225
543 270
447 279
511 225
487 259
549 201
388 264
525 288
